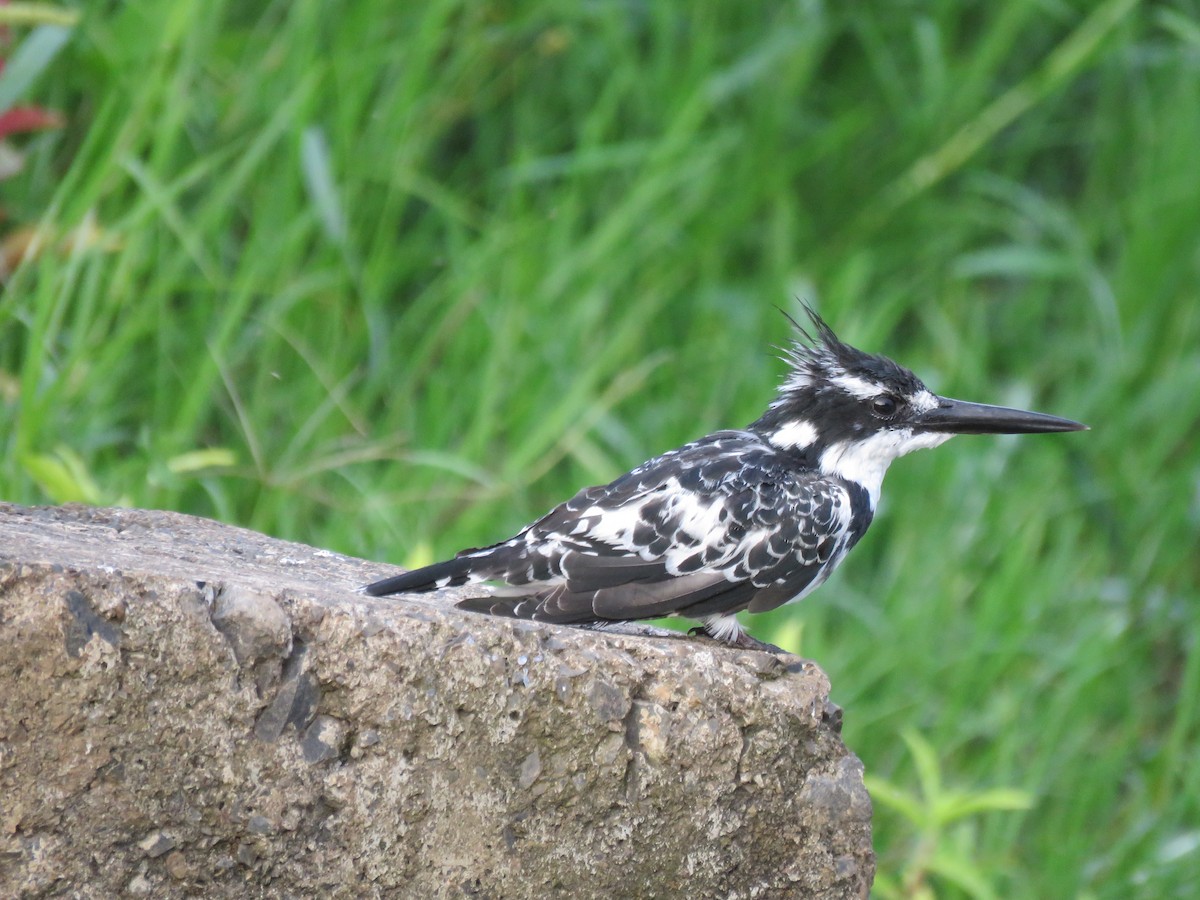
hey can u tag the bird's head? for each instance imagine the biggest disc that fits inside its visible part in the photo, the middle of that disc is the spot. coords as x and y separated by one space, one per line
850 413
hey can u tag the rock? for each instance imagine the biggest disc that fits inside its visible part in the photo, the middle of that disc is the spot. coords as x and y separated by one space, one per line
156 844
187 706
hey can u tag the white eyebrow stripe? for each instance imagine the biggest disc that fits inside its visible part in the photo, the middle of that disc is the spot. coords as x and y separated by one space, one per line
924 401
856 387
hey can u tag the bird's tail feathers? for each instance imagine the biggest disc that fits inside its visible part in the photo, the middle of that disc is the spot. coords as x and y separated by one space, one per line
519 602
428 578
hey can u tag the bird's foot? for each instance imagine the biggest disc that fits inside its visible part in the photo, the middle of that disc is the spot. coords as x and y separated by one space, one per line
743 641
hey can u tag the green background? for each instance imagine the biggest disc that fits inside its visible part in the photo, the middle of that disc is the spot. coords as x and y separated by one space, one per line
394 279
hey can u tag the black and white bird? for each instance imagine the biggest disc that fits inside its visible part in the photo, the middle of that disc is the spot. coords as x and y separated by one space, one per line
738 520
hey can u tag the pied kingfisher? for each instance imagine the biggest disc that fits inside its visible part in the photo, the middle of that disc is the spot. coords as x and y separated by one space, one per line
738 520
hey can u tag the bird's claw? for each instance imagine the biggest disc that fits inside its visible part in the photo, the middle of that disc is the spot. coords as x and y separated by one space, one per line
742 642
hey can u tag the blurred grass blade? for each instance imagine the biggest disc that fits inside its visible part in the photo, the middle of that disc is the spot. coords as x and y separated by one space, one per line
959 805
925 759
199 460
36 14
1062 64
322 187
31 58
63 476
884 793
963 874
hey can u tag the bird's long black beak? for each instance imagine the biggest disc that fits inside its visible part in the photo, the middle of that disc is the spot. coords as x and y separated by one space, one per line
961 417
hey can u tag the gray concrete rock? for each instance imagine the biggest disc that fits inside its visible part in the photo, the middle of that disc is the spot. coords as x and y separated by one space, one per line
188 708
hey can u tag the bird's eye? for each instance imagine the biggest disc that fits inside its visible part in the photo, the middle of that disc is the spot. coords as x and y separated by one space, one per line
884 405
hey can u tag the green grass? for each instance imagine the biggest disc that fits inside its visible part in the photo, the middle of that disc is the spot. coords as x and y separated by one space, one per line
394 279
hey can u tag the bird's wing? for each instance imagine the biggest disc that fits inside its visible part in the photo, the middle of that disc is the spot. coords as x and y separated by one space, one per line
719 525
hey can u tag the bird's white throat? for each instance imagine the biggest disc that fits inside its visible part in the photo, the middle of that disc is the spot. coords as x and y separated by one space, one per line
865 461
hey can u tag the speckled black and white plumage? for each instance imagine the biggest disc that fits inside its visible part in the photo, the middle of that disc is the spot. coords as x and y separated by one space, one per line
718 526
738 520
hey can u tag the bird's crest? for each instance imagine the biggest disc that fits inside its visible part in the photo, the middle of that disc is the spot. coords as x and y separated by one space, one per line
819 360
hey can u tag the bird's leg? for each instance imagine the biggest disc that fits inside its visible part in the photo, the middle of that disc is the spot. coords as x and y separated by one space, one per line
743 641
